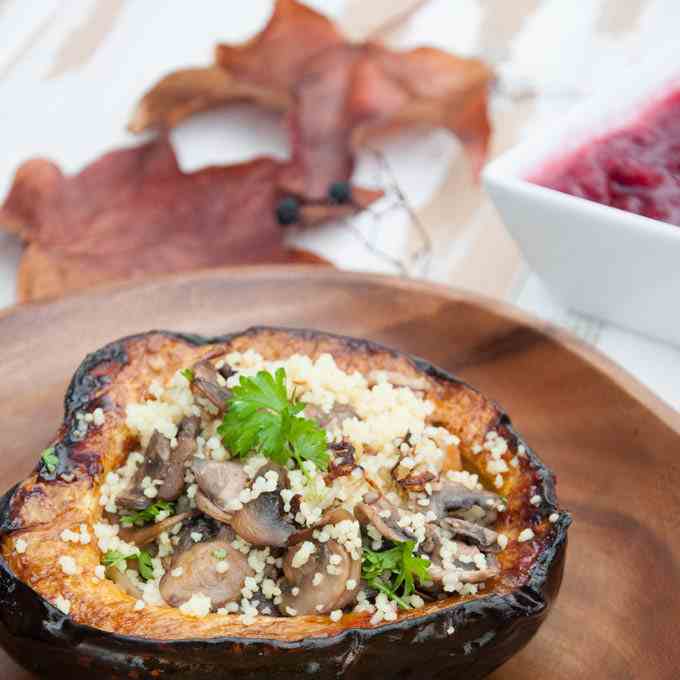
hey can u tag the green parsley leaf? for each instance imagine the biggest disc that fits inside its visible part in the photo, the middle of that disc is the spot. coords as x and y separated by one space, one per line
264 391
261 418
188 374
50 459
308 442
145 565
148 515
390 570
114 558
220 554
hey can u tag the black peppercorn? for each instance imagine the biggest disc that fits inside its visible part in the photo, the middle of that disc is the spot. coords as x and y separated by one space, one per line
340 192
288 211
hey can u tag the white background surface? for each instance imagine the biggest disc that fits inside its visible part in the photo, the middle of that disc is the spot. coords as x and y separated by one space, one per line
72 109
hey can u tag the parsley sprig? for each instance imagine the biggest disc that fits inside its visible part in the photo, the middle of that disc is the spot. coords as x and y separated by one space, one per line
261 418
115 558
148 515
145 565
50 459
390 570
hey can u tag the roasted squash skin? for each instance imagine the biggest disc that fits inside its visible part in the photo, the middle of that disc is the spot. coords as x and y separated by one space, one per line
464 637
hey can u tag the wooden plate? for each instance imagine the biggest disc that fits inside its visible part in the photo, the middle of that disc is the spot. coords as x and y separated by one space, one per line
614 446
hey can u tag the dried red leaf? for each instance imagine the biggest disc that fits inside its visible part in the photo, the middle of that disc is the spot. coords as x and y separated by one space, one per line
188 91
339 94
277 56
262 70
133 212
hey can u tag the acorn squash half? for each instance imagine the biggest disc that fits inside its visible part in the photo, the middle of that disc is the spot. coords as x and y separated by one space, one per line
104 636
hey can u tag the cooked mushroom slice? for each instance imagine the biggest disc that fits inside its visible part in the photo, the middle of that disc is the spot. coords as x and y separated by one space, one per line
471 572
156 459
466 562
146 535
431 548
173 477
302 592
162 462
472 575
261 521
205 505
378 511
454 497
206 384
196 568
484 538
219 484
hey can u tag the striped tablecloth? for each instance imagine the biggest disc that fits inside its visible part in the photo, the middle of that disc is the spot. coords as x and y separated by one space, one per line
71 70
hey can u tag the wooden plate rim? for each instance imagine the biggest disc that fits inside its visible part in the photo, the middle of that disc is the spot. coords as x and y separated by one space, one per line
596 358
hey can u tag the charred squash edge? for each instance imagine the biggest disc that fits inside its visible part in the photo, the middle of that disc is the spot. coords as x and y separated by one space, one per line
513 617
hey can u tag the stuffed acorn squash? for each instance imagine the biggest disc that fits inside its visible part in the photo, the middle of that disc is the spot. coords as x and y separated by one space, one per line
274 503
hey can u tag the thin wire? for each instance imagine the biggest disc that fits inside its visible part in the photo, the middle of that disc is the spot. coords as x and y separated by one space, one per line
425 250
417 262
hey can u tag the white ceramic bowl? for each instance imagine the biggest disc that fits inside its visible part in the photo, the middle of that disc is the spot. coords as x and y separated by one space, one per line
598 260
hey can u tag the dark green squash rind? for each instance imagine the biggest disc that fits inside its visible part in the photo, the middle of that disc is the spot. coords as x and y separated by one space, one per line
486 631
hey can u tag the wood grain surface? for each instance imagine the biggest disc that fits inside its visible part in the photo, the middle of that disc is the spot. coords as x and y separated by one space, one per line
613 445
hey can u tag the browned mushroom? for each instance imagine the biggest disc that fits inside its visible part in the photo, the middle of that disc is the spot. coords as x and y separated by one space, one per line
467 569
195 567
303 592
379 512
146 535
470 574
156 458
162 463
205 505
261 521
173 477
483 538
219 484
455 497
206 384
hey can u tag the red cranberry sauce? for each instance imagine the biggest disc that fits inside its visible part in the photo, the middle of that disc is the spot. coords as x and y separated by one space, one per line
635 168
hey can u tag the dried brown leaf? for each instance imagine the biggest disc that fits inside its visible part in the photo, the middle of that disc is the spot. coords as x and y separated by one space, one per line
133 212
185 92
340 94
